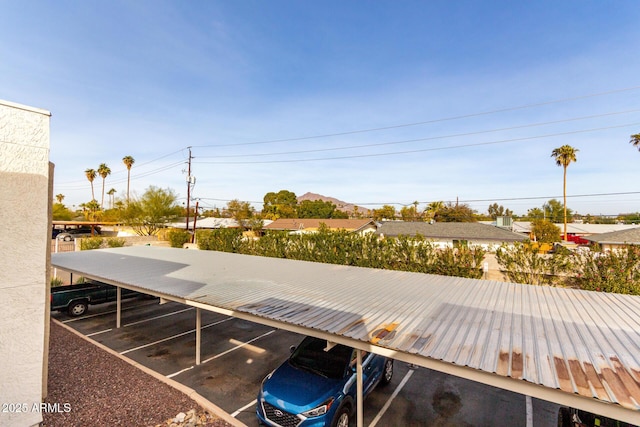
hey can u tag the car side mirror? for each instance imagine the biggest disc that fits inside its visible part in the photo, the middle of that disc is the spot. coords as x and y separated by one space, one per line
292 349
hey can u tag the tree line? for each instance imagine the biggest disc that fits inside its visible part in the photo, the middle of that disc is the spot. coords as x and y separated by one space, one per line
284 204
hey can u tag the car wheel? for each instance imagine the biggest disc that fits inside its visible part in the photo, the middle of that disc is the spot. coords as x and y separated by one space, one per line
387 374
78 308
342 418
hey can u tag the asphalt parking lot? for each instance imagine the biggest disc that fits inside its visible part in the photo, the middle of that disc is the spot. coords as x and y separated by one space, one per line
237 354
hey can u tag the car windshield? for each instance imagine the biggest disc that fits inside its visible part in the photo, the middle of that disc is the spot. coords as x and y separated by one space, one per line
310 356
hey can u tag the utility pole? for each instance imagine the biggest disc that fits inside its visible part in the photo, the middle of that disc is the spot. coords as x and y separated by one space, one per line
188 187
195 219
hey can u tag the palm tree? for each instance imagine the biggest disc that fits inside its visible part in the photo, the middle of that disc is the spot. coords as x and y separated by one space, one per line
635 140
111 193
563 157
60 197
91 175
432 209
416 215
92 211
103 171
128 161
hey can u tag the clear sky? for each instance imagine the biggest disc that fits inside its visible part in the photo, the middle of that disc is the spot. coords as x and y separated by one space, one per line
371 102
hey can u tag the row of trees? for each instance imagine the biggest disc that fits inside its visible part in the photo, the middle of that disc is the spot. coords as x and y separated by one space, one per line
104 171
163 202
284 204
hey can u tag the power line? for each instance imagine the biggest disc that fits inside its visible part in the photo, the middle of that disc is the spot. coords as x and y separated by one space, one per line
138 166
422 150
77 184
503 199
550 197
458 135
464 116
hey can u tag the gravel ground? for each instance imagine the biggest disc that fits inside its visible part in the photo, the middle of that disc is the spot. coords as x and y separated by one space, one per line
94 388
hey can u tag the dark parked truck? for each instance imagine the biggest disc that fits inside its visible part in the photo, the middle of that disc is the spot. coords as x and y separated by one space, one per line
75 299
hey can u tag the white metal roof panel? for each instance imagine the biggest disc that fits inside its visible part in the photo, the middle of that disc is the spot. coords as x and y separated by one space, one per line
579 342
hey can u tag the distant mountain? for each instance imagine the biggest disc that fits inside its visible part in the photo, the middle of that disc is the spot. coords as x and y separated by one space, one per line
340 205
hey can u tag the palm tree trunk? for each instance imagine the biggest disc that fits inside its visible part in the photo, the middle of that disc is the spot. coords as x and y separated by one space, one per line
564 193
102 201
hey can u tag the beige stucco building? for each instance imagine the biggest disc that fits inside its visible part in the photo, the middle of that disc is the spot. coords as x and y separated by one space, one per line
25 195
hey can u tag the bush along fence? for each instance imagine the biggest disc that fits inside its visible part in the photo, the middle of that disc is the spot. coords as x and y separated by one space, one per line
595 270
340 247
99 242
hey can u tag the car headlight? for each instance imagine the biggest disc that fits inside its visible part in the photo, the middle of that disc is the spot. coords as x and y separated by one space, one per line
264 380
320 410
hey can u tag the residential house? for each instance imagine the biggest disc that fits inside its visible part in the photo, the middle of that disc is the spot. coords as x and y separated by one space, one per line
617 239
452 233
576 232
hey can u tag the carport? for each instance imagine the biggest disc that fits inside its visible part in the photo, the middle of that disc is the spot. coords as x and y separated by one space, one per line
576 348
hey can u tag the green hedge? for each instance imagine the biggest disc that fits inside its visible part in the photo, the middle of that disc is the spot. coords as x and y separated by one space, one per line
615 271
341 247
177 238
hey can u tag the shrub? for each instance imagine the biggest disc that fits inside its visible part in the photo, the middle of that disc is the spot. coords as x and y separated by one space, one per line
222 239
177 237
114 242
56 281
612 271
91 243
522 263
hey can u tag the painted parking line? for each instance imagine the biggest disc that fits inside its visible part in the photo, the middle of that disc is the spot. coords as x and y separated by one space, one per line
244 344
142 321
244 408
174 336
386 406
239 346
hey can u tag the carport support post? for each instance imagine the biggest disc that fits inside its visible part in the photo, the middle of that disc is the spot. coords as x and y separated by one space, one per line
118 306
198 334
359 399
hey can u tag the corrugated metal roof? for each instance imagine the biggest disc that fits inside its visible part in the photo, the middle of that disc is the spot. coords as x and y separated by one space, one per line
579 342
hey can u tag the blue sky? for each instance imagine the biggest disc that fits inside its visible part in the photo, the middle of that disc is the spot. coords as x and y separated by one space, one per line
373 103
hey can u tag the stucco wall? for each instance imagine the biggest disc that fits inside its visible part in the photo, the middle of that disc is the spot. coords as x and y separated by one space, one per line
24 215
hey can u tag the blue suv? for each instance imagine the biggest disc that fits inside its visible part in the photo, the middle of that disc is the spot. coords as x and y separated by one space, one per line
317 388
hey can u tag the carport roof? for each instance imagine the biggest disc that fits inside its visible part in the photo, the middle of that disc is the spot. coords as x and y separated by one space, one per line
582 347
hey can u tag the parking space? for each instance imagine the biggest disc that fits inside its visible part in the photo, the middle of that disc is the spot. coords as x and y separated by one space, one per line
237 354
